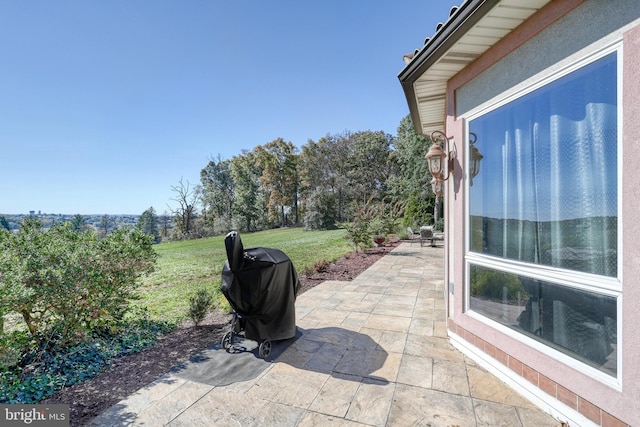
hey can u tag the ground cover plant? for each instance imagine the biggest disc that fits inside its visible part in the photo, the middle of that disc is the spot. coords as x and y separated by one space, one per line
48 368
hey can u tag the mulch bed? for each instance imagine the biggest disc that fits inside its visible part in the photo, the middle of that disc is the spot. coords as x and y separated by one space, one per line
128 374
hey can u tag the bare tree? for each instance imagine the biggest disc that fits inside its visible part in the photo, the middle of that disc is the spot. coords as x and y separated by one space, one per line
185 213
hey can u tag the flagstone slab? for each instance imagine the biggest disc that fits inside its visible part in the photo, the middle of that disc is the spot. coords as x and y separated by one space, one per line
371 403
420 406
416 371
388 323
434 347
336 395
485 386
450 377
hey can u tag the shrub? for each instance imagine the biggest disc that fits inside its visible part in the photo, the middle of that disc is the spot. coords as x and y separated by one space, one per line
495 285
358 231
199 305
321 265
390 215
377 227
67 283
374 219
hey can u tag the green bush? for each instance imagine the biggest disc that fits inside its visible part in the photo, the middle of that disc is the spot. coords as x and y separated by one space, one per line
495 285
358 231
199 305
388 215
66 283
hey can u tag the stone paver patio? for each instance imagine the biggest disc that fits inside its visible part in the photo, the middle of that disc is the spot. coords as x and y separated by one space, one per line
372 352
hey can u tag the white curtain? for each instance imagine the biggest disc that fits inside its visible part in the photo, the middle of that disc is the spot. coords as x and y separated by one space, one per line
556 150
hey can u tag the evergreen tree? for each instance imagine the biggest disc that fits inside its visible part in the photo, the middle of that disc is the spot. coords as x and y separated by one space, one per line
148 224
412 182
79 223
4 224
106 224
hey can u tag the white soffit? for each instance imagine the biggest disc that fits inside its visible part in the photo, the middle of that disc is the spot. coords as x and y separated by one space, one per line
430 88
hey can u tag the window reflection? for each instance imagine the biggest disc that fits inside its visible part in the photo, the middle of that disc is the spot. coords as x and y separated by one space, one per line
547 193
579 323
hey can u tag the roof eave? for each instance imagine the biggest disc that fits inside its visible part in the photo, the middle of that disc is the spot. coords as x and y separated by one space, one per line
467 15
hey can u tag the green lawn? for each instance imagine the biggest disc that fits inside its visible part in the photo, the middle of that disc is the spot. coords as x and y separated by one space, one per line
186 266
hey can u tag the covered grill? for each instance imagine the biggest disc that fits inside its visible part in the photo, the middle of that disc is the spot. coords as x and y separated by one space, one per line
261 285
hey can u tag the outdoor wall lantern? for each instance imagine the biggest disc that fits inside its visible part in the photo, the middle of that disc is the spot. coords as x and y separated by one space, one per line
437 155
436 160
476 156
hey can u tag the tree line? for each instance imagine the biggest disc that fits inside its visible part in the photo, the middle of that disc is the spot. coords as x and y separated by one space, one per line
320 185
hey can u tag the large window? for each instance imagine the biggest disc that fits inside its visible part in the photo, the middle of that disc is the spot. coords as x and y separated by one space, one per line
545 206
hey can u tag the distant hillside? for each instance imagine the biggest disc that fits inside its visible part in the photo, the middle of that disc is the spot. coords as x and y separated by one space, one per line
115 221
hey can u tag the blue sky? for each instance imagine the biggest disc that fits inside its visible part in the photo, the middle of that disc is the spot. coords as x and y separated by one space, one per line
104 105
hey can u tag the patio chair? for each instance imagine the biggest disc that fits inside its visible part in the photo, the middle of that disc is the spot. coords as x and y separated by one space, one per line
437 236
413 236
426 233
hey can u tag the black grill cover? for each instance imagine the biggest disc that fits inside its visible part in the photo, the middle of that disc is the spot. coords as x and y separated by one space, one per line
261 285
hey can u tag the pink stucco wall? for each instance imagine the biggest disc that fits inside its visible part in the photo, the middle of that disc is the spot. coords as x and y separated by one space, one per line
630 228
609 405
